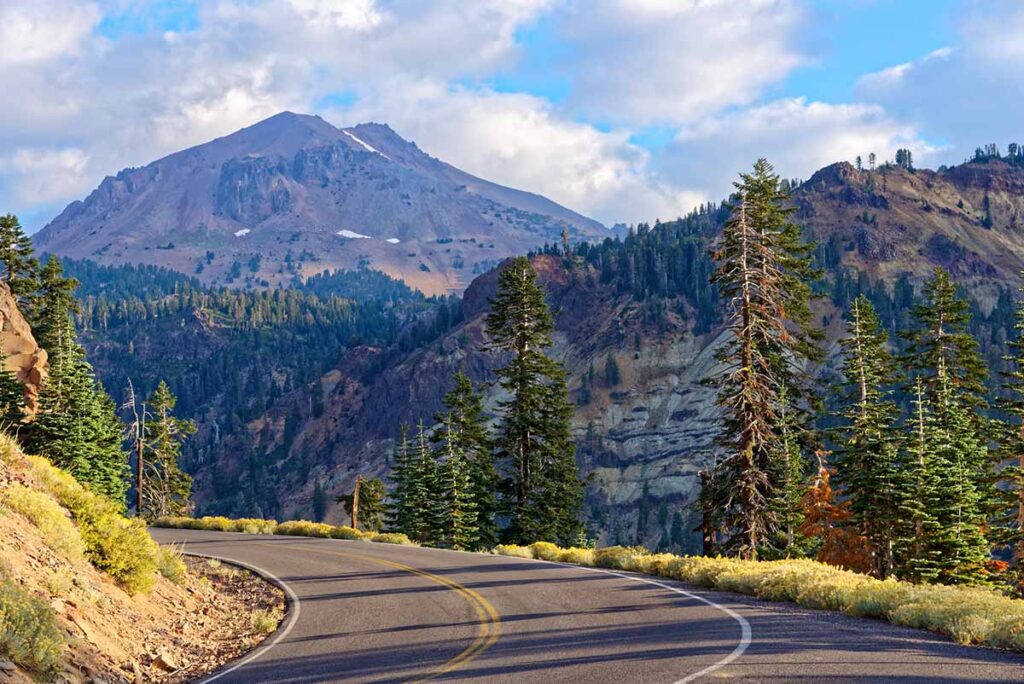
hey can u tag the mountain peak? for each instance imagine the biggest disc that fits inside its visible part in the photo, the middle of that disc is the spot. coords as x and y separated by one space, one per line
293 195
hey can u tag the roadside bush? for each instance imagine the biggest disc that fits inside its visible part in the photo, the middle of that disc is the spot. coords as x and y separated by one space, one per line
346 532
614 557
215 523
544 550
304 528
29 632
254 526
968 615
170 564
513 550
120 547
391 538
576 555
49 518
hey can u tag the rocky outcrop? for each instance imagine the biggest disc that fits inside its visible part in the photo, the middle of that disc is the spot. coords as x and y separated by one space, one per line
22 356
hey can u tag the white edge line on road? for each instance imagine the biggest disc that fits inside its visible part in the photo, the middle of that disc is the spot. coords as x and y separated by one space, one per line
294 607
745 632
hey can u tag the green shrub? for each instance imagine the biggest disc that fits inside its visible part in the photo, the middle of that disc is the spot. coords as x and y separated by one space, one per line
512 550
170 521
576 555
120 547
254 526
170 564
215 523
304 528
346 532
265 621
544 550
49 518
613 557
391 538
29 632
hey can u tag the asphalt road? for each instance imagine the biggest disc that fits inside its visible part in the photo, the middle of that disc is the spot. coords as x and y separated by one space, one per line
365 612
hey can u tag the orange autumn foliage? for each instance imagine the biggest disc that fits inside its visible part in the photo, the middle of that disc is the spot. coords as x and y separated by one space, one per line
824 518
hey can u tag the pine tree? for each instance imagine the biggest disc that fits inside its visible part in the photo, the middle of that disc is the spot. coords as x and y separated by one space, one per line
946 360
76 426
1009 514
867 452
423 521
762 274
544 493
166 488
788 484
468 436
400 513
457 508
17 260
917 558
371 504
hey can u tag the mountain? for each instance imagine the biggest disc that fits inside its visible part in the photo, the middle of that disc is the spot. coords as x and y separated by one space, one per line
293 196
643 301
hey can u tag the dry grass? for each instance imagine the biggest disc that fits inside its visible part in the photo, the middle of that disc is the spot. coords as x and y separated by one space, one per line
967 615
296 528
51 520
120 547
29 632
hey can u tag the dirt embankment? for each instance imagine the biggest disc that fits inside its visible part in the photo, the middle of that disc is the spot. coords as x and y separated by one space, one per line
86 596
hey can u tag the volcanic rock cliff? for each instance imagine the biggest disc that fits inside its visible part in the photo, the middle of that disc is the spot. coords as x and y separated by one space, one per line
21 355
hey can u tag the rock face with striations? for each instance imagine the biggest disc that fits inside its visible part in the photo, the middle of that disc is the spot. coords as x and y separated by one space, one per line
22 356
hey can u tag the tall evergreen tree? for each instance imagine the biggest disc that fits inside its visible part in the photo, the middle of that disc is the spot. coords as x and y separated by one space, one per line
1009 516
466 434
77 425
166 488
867 452
456 500
762 273
400 513
946 359
544 490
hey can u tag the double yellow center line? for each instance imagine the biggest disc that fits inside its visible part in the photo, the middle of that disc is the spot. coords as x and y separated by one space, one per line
488 618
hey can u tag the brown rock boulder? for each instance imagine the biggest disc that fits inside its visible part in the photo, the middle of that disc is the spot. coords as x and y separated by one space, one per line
21 353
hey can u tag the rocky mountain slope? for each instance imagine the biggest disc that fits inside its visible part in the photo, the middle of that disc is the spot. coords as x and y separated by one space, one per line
644 437
22 356
293 195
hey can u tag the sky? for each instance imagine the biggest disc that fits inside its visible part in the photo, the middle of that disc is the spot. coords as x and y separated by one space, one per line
624 110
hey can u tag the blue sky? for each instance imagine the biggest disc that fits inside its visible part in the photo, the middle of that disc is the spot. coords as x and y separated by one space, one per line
626 110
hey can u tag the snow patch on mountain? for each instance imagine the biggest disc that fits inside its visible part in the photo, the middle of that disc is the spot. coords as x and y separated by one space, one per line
242 233
367 147
353 235
393 241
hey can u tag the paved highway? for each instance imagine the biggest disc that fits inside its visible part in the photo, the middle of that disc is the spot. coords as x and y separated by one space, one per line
365 612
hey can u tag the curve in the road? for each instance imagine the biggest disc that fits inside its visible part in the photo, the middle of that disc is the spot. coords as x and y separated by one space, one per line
745 631
490 621
380 613
294 610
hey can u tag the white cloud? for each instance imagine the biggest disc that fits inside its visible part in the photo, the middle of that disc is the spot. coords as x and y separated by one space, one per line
44 175
674 61
797 136
521 141
967 94
41 30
